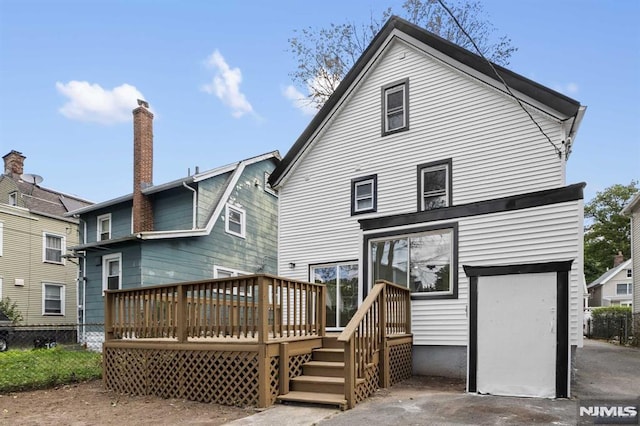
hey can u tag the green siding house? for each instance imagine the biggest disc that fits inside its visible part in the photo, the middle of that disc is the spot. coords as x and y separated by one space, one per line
213 224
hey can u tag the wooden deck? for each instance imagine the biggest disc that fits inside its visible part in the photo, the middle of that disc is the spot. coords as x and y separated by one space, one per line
253 340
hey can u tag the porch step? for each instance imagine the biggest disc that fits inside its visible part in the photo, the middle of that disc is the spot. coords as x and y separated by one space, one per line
323 368
315 398
328 354
332 342
320 384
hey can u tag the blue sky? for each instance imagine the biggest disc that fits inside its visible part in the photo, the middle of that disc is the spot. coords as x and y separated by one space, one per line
70 72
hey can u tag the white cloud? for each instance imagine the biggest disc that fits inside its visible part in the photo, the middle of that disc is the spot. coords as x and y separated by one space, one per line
90 102
226 85
299 100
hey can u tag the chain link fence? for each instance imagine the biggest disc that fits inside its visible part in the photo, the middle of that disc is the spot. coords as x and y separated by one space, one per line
45 355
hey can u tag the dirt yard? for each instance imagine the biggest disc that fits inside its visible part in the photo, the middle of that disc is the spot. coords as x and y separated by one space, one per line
90 404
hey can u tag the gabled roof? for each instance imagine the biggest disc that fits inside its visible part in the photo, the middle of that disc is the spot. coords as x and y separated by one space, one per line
154 189
604 278
633 204
235 169
553 100
47 201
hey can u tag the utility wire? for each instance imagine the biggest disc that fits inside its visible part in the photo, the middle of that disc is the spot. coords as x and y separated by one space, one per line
558 151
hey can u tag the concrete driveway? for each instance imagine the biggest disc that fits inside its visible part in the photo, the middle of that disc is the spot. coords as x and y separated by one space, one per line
603 371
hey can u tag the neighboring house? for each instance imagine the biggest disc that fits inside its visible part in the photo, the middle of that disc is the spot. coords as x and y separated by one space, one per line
35 272
213 224
614 287
422 170
632 209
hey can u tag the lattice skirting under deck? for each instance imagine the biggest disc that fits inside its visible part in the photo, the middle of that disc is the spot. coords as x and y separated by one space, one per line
400 360
229 378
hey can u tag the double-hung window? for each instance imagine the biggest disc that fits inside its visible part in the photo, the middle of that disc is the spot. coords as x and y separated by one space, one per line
395 107
434 185
104 227
235 221
112 271
52 299
629 273
53 248
364 194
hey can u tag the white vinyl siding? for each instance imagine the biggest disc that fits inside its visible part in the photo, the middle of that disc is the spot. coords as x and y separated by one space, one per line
495 151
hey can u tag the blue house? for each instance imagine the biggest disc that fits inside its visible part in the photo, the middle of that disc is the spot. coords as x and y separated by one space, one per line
213 224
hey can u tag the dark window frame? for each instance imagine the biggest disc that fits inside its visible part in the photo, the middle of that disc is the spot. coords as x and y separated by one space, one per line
453 226
374 194
405 86
448 163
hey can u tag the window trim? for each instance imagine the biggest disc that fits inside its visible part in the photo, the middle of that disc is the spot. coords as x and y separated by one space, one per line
367 265
629 289
63 247
384 90
99 220
234 272
243 224
447 164
374 194
1 241
62 299
105 259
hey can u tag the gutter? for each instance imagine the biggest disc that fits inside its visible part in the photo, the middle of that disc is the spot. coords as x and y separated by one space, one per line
195 204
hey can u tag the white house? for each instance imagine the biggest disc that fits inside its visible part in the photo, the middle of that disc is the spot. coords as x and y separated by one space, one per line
423 165
632 209
614 287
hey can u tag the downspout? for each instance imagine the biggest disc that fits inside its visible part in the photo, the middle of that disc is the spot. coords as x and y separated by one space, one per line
195 204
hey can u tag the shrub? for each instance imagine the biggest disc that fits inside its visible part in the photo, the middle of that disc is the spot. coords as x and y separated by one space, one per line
10 309
610 322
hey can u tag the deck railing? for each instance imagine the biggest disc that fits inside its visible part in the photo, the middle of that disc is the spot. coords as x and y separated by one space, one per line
260 307
385 312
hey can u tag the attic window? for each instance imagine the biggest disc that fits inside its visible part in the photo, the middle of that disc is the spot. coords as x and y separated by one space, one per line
13 198
395 107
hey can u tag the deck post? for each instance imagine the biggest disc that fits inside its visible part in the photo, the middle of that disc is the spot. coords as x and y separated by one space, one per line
181 314
349 373
407 313
322 311
384 378
263 310
284 368
264 378
108 316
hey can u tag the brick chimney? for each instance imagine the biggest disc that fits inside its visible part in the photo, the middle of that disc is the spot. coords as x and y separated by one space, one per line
14 164
618 259
142 167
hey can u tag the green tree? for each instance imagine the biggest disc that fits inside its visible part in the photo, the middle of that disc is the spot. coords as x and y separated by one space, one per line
608 231
325 55
10 309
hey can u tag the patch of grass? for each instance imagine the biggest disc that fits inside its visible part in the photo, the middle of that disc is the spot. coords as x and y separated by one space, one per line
42 368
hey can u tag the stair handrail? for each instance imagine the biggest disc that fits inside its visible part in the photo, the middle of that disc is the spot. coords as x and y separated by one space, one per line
366 334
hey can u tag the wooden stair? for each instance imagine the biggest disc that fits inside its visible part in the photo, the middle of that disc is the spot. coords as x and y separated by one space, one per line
322 379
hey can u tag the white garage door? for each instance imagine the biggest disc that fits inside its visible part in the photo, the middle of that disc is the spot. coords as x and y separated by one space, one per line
516 335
